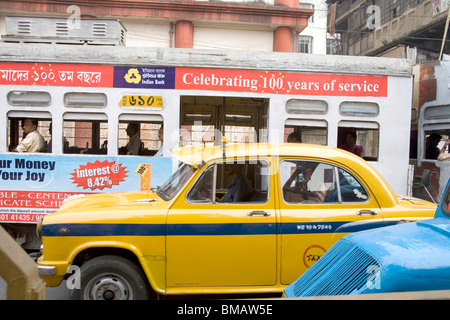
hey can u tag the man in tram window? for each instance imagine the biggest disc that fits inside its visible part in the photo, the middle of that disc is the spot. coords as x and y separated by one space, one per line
134 145
33 141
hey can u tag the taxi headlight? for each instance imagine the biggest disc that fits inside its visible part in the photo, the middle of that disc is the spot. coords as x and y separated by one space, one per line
39 228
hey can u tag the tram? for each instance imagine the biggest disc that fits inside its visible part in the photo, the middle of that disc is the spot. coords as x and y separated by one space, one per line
89 101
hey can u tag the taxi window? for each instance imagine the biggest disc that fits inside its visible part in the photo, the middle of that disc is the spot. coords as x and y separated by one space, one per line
235 182
318 182
203 190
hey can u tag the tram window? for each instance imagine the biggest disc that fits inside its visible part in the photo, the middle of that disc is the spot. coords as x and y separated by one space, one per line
205 119
140 138
29 98
307 131
241 134
199 133
301 106
198 123
85 137
242 122
85 100
364 109
313 135
16 133
437 112
361 141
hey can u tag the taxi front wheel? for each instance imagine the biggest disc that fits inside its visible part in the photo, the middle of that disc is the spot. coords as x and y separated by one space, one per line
111 278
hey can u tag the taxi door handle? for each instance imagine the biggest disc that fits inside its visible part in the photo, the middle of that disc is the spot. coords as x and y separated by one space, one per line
258 213
361 212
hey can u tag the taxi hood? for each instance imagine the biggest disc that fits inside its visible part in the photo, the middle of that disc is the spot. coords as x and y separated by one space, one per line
117 199
415 203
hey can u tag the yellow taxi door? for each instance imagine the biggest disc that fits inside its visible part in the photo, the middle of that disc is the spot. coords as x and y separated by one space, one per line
320 203
212 243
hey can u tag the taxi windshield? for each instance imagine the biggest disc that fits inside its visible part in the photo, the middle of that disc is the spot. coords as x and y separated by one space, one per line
170 188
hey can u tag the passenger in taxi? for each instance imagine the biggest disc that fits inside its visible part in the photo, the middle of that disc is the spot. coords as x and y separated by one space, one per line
240 189
33 142
295 188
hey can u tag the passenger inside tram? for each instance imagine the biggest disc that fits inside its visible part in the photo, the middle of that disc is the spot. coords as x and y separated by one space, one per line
84 136
294 137
32 140
134 145
436 145
140 138
432 150
351 145
362 141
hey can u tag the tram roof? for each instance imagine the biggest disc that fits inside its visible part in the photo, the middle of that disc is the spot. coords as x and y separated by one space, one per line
252 60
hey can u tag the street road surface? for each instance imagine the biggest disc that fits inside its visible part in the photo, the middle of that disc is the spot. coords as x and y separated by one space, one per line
62 293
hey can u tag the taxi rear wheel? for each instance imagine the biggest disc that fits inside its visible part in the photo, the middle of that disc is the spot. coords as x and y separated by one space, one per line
111 278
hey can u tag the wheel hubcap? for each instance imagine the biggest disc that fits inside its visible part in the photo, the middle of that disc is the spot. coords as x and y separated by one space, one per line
109 287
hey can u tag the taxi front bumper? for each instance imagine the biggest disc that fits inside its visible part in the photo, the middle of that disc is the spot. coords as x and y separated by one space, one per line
52 272
46 271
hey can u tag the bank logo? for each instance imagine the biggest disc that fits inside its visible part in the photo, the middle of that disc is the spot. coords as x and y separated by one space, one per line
133 76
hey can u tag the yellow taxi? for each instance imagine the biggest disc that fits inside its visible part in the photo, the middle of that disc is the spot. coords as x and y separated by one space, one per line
246 218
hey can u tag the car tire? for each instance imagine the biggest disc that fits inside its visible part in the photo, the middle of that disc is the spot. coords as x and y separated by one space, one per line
111 278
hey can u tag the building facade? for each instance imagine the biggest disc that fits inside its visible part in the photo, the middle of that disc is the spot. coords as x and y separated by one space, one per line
264 25
411 29
314 38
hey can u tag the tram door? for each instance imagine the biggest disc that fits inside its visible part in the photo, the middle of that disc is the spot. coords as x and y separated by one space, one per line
206 119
